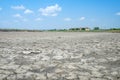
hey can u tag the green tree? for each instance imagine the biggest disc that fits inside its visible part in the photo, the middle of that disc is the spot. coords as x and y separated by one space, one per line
96 28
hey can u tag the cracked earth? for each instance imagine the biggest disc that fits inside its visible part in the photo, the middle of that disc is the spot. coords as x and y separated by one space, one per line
59 56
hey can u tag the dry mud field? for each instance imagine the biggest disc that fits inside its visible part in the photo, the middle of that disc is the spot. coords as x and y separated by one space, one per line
59 56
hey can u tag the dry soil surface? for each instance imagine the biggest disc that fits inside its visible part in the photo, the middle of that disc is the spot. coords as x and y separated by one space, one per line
59 56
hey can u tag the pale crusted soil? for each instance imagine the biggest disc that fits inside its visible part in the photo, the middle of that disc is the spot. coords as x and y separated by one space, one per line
59 56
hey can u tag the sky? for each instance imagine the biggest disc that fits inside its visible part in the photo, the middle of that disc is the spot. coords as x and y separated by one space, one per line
59 14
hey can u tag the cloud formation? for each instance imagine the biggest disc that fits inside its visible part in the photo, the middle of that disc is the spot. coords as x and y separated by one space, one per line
118 13
50 10
82 18
17 16
28 11
67 19
19 7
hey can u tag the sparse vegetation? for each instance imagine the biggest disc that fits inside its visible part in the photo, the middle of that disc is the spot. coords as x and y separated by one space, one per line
115 30
95 29
21 30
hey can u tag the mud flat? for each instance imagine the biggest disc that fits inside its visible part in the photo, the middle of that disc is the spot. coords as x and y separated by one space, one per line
59 56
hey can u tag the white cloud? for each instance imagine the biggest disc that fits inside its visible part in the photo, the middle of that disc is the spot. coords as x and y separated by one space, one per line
19 7
82 18
17 16
38 19
50 10
28 11
118 13
67 19
0 9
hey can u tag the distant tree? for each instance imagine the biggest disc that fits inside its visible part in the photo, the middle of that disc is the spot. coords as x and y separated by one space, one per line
83 29
74 29
77 28
53 29
96 28
115 29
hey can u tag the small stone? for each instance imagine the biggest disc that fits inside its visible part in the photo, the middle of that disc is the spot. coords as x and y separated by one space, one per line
26 52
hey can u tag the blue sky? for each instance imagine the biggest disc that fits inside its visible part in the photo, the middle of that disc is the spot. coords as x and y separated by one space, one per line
59 14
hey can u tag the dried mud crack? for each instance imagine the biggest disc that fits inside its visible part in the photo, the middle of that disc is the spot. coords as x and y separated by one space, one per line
59 56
